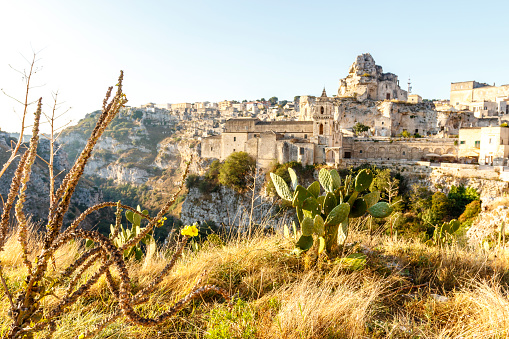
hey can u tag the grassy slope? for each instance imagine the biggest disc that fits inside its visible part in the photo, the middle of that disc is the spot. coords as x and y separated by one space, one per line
281 296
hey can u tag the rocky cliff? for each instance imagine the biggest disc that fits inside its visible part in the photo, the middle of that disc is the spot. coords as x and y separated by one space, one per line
37 203
228 208
136 146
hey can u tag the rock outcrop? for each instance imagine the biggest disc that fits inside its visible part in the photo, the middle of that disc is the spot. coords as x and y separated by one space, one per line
366 80
37 201
231 209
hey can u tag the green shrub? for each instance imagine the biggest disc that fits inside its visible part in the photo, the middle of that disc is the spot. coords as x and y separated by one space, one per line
471 211
460 197
439 211
192 181
236 170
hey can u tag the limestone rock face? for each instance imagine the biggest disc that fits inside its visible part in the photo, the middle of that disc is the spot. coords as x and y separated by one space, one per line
366 80
133 149
226 207
489 189
488 223
37 202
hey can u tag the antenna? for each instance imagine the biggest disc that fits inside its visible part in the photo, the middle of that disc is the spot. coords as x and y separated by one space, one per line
409 86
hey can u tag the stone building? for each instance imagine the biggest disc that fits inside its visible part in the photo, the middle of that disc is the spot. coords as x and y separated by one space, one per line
366 80
315 141
414 98
484 145
320 140
323 132
481 98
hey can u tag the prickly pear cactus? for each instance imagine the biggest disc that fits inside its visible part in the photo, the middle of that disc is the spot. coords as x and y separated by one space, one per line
446 230
126 234
324 219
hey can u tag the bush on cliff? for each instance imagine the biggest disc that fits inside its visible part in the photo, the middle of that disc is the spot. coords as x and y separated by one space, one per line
236 172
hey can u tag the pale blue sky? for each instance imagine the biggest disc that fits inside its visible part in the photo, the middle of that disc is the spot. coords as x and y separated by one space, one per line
187 51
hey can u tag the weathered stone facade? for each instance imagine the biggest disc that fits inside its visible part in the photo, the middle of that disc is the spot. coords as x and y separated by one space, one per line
484 145
483 99
315 141
366 80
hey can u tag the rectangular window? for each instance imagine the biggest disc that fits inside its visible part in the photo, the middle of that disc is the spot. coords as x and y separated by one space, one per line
477 144
462 142
301 150
305 136
234 138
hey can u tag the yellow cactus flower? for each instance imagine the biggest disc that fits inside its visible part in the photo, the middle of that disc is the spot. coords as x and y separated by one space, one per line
190 230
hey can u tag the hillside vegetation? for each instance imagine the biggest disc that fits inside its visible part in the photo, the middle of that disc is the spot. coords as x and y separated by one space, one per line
406 289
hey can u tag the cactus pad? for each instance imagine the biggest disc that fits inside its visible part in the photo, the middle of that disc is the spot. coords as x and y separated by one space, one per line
293 178
300 195
380 210
321 244
306 226
363 180
325 179
281 187
314 189
338 214
358 208
329 203
311 205
318 226
336 179
371 198
343 232
305 242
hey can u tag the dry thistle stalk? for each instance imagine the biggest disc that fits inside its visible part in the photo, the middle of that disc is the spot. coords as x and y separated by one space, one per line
27 311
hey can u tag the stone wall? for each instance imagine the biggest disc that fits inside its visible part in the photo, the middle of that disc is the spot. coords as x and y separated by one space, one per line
401 149
469 94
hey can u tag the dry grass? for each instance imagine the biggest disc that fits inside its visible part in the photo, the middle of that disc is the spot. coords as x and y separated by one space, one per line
282 297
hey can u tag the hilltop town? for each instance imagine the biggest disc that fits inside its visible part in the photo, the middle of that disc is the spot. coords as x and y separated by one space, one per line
370 117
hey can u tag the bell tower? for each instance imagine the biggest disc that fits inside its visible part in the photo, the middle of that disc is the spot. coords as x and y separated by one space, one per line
323 118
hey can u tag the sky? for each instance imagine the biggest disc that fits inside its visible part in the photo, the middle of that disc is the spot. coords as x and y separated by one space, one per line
189 51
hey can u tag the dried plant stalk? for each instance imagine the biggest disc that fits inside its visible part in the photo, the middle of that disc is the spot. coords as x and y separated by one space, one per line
25 177
28 313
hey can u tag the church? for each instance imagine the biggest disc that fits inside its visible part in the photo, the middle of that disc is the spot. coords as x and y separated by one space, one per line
323 133
316 141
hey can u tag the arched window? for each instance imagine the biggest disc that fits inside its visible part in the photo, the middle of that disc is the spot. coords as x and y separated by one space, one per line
321 110
321 129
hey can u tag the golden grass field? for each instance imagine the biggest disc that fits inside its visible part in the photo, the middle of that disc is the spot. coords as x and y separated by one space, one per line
398 294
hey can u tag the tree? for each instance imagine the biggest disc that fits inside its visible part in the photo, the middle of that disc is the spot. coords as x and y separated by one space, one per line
439 211
359 128
386 184
296 98
235 171
460 197
273 101
471 211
